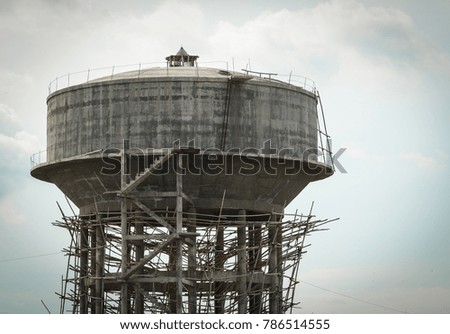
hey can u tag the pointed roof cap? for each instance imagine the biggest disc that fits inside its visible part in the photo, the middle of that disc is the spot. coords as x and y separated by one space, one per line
182 58
182 52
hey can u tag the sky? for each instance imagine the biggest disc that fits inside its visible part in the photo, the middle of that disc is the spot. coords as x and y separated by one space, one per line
383 72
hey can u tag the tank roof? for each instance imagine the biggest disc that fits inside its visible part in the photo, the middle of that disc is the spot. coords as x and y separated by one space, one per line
188 72
159 72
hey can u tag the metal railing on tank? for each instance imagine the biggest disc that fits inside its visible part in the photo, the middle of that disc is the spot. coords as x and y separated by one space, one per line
91 74
325 154
38 158
299 81
81 77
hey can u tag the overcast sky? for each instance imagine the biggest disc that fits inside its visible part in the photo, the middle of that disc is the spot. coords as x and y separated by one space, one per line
383 71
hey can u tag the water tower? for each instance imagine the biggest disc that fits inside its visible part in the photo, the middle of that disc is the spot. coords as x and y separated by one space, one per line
181 175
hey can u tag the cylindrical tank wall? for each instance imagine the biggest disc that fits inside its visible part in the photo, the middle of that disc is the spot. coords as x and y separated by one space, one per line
155 112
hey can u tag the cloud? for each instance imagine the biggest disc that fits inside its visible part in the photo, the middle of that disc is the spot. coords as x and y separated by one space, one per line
314 32
9 213
16 146
423 162
14 142
7 115
21 143
350 44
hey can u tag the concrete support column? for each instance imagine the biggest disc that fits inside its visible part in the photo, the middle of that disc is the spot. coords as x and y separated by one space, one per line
171 287
124 304
218 264
179 228
192 262
139 298
242 264
279 239
255 265
275 266
99 267
92 268
84 258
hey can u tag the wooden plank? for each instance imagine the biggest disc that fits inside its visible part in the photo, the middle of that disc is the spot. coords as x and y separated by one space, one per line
149 194
152 194
147 237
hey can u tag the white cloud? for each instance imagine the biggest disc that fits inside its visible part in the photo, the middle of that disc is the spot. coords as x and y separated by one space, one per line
20 143
16 146
161 33
7 115
349 43
421 161
14 142
10 77
9 213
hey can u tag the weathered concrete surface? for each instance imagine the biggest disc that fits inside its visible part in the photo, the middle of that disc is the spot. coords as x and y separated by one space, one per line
154 111
197 107
258 185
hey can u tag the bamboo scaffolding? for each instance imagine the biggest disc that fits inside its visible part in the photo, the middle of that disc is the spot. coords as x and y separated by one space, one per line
219 279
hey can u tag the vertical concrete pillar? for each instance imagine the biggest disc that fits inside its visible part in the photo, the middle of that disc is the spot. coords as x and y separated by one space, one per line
139 298
171 287
124 227
84 259
279 238
255 265
218 264
179 228
275 266
92 267
99 266
242 263
192 262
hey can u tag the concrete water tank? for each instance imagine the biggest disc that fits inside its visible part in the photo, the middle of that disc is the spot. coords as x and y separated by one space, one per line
186 171
261 132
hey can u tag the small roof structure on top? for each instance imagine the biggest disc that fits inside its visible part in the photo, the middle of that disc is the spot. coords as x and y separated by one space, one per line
182 58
